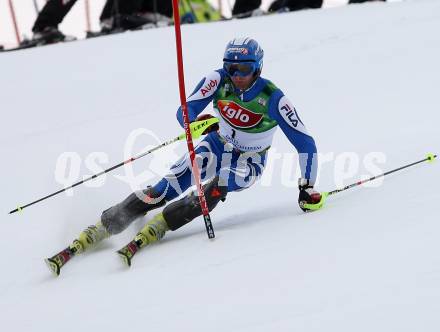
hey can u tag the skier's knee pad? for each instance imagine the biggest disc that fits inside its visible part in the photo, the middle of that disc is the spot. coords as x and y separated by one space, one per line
120 216
186 209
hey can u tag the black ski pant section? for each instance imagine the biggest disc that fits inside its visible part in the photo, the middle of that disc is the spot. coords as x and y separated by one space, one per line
293 5
361 1
181 212
54 11
130 7
120 7
163 7
52 14
245 6
120 216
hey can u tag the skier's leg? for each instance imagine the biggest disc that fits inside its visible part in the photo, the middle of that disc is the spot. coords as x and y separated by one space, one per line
208 156
181 212
234 172
153 231
120 216
244 170
115 219
174 216
89 237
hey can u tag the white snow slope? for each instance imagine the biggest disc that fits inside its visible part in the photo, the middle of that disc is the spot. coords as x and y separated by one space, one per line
365 80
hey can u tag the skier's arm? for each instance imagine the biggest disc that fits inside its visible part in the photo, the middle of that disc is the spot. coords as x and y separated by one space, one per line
201 96
283 111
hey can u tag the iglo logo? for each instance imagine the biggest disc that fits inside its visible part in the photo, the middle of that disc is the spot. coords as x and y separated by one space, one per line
238 116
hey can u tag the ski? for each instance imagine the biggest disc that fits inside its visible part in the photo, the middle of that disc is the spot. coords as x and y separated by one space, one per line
126 253
36 43
56 262
94 34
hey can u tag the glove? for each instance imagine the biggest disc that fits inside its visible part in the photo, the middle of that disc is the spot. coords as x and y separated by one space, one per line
211 128
307 195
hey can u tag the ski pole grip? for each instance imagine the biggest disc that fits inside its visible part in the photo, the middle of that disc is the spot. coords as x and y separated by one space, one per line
198 127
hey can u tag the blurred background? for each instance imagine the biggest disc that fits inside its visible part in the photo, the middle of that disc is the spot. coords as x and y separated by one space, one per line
76 22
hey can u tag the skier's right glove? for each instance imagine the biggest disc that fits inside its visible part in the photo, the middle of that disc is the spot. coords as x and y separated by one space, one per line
307 195
211 128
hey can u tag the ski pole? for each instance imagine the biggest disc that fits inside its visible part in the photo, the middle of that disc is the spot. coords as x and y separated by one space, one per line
197 128
430 158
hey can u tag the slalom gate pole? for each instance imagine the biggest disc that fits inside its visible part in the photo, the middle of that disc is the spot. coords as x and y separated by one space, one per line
14 21
195 169
87 14
430 158
37 10
197 128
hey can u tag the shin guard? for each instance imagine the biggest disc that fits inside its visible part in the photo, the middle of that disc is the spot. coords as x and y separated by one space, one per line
186 209
119 217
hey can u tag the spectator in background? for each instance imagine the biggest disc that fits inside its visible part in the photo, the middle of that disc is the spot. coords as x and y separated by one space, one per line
123 15
116 16
122 12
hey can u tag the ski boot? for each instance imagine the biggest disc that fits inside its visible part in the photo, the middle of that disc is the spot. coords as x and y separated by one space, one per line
153 231
89 237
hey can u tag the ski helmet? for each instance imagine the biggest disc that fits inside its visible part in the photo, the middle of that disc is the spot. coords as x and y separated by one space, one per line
242 57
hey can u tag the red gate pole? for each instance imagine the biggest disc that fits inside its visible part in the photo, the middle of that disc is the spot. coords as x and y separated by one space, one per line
195 168
14 21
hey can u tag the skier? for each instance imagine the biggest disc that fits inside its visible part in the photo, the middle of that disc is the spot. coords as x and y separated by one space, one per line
232 155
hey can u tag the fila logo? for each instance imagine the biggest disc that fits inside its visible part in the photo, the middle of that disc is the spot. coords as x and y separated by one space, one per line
290 115
238 116
208 87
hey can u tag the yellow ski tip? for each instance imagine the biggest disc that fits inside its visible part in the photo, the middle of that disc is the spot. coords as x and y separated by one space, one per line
53 267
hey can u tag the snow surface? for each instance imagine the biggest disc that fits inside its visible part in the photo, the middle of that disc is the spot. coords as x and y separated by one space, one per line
365 80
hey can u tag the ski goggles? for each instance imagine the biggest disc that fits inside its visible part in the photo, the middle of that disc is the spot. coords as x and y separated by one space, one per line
239 68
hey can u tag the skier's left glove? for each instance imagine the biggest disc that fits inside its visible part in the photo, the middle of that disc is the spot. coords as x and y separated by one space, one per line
211 128
307 195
